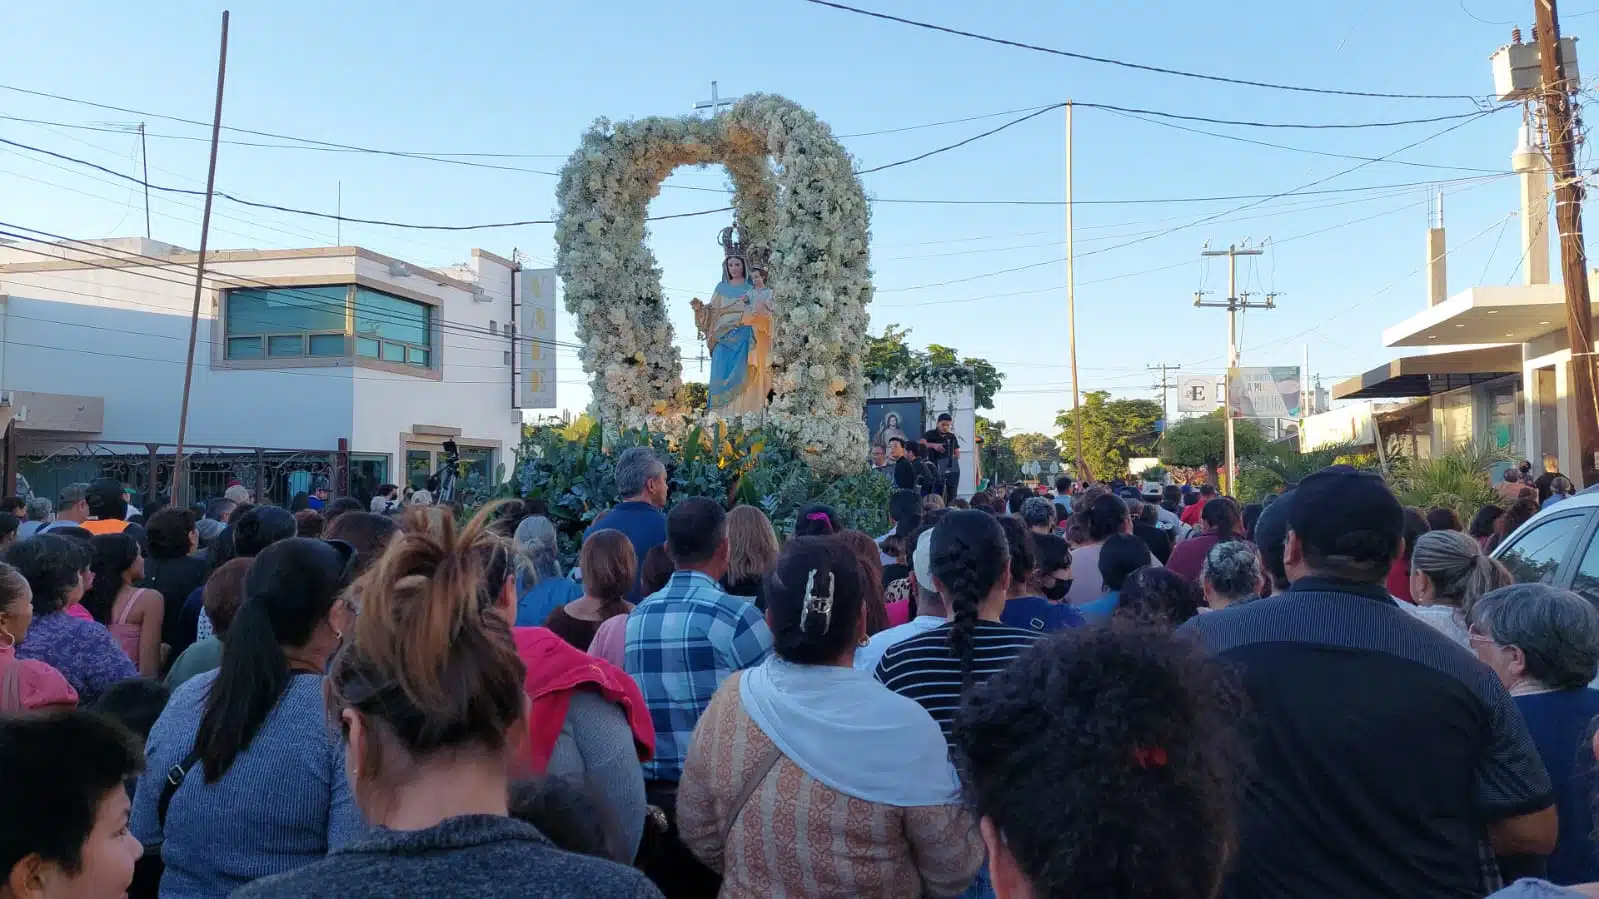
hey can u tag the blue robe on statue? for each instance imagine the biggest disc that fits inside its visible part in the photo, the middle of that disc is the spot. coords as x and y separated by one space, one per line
734 342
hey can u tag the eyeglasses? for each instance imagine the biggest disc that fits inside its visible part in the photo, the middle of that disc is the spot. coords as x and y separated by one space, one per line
1476 634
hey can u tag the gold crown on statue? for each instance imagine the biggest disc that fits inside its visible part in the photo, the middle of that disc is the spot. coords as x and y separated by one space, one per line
732 241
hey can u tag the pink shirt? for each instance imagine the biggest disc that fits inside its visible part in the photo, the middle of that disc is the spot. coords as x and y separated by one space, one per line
39 684
610 641
76 610
899 613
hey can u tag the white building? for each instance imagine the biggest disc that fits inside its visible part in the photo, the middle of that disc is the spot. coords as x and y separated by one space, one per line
1491 363
332 362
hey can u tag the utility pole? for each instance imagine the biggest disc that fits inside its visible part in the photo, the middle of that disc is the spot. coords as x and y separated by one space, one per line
1082 472
1164 386
1235 301
144 155
1556 101
179 476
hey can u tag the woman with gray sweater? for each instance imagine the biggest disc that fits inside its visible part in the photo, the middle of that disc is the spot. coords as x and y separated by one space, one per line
429 697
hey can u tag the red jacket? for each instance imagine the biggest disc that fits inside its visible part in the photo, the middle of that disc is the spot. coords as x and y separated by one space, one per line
554 669
1191 514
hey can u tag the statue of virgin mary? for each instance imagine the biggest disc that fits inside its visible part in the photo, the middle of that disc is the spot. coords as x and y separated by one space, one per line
737 326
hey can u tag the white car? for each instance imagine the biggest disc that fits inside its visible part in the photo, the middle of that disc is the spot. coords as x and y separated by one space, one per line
1558 546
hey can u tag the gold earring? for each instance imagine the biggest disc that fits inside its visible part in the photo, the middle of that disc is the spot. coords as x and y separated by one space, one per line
865 641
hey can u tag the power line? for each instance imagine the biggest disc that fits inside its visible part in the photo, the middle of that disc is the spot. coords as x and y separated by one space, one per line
1138 66
1263 143
976 137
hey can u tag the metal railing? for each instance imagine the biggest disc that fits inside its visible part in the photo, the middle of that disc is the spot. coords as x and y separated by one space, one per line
271 474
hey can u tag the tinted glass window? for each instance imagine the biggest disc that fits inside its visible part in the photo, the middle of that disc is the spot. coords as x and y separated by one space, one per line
1537 554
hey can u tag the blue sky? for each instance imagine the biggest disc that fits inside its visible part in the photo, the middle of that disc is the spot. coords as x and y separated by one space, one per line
528 78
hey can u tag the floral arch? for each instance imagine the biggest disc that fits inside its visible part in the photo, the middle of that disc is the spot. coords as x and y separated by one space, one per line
796 194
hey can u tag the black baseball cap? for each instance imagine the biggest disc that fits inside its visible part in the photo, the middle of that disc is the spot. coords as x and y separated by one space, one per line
1347 520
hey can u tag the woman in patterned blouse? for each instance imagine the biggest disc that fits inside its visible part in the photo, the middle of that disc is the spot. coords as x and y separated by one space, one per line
806 777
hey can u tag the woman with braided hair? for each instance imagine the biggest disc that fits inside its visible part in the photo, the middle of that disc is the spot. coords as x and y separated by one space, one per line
805 777
970 561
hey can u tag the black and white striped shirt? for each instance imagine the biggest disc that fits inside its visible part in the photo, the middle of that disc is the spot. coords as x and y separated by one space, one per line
925 669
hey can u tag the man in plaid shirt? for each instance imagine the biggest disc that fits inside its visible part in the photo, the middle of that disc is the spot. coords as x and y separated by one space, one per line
683 641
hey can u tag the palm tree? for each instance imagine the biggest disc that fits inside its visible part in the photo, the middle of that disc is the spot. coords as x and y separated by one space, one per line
1292 467
1457 480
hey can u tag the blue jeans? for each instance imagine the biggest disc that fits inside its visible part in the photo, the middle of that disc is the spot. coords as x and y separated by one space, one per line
982 887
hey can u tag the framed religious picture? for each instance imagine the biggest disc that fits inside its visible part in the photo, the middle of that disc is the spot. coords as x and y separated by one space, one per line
899 417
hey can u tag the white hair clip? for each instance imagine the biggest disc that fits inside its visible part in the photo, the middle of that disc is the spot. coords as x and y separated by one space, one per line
816 604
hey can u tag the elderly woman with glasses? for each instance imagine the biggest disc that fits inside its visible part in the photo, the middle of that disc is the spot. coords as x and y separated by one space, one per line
1543 643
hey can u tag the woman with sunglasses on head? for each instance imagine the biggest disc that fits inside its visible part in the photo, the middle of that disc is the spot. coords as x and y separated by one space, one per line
429 698
245 778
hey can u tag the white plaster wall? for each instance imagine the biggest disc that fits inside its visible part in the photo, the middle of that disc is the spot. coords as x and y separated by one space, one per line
127 341
475 393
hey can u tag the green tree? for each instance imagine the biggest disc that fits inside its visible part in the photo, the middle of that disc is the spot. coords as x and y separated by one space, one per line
1113 432
999 458
1035 447
891 358
1201 442
888 357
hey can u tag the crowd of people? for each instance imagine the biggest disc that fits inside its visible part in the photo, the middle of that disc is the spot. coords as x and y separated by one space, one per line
1095 691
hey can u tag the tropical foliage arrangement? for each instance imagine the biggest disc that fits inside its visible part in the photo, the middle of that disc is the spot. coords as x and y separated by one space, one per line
572 469
796 195
1457 480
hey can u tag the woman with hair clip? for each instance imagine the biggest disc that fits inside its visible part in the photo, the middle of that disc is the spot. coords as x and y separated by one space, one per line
132 614
970 563
428 695
807 778
245 778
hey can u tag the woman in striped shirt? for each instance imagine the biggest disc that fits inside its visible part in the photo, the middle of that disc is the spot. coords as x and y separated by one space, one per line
971 569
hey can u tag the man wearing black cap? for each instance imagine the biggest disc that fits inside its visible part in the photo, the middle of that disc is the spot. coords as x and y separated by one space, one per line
1385 756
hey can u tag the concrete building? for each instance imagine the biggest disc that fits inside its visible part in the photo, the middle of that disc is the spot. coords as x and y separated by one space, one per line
332 363
1491 363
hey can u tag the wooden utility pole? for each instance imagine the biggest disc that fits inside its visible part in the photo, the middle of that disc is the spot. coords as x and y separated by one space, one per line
1083 474
1235 302
1568 219
1165 387
179 476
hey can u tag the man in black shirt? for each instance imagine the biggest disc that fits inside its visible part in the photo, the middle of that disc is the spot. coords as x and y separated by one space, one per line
1386 757
904 465
944 451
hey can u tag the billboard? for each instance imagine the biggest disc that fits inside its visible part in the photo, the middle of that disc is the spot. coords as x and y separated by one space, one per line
536 333
1263 392
1197 395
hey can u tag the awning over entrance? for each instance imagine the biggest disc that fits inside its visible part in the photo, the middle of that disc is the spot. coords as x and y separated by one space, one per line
1430 374
1506 314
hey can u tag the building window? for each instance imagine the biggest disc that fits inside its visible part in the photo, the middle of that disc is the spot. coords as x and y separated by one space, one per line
327 323
392 329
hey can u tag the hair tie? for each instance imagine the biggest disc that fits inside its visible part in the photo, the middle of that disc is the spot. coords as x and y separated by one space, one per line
1149 757
818 604
818 516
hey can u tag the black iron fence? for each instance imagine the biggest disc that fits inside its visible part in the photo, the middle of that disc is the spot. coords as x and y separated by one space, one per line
274 475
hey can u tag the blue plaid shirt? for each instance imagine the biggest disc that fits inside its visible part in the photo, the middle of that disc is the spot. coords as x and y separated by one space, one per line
681 644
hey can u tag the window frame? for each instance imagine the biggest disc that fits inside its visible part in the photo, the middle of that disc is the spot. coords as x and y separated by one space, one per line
1565 567
350 357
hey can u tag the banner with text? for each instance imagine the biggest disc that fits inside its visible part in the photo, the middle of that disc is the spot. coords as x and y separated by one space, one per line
536 331
1263 392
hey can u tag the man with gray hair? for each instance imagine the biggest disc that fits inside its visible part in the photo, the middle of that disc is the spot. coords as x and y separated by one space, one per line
1038 513
641 483
1233 574
73 511
38 512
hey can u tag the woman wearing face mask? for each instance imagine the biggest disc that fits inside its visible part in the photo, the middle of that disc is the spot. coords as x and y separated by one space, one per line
25 685
1041 574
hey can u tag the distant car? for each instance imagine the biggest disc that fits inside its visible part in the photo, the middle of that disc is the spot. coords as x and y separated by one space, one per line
1558 546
